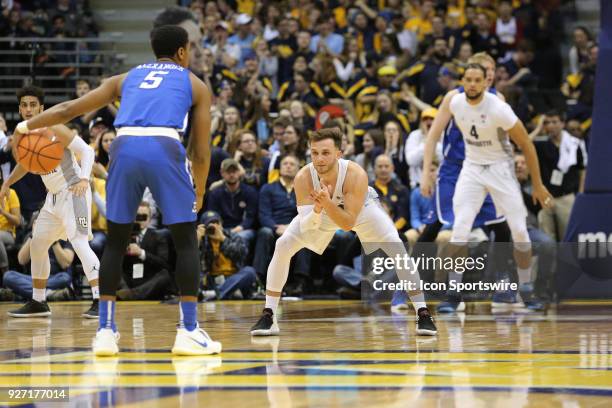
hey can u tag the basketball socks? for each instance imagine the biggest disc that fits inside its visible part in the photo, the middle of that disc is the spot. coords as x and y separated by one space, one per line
38 294
524 275
272 302
95 292
107 315
188 315
454 276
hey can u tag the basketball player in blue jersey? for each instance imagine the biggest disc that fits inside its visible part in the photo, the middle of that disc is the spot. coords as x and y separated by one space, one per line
155 99
441 207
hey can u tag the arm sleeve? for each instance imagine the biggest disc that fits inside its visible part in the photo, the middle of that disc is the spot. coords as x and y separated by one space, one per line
86 153
309 220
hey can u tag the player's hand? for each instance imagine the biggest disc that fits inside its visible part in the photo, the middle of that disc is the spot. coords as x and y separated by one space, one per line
541 195
79 188
322 197
426 185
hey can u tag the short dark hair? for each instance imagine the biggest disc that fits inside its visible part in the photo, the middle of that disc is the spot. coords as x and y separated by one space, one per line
173 16
31 90
166 40
474 65
331 133
555 112
281 122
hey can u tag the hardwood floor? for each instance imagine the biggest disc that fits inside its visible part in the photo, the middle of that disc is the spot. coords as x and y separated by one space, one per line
330 353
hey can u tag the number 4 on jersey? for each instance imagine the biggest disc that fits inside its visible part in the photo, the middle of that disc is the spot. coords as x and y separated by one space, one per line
473 132
153 79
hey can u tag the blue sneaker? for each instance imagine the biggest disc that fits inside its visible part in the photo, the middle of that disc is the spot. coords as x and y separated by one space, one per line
530 299
505 300
399 301
452 304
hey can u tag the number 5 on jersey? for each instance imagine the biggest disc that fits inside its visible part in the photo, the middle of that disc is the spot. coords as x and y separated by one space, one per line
153 79
473 132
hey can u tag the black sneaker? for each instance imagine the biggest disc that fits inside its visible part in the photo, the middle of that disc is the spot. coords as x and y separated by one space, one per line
425 325
32 309
93 311
266 325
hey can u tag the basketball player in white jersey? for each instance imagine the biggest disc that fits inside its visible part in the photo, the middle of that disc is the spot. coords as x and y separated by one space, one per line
487 125
66 214
331 194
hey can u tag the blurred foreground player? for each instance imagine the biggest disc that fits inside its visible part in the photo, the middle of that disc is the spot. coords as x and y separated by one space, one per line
155 100
331 194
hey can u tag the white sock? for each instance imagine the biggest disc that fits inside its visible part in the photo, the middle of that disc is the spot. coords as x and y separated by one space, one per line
95 292
39 294
524 275
272 302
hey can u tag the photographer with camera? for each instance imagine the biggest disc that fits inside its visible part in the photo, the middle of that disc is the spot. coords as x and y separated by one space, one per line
222 258
145 266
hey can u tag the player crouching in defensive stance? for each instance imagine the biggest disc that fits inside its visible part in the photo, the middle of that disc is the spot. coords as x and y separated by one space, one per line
65 214
333 193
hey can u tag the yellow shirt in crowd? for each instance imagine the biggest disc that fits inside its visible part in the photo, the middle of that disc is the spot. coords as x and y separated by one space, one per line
11 203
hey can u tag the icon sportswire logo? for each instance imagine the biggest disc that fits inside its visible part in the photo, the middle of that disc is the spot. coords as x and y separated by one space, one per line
594 245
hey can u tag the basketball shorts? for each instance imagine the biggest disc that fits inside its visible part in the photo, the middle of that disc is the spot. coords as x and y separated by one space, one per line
441 203
157 162
373 225
64 216
499 180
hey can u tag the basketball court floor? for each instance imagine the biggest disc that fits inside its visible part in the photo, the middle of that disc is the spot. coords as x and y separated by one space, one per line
330 353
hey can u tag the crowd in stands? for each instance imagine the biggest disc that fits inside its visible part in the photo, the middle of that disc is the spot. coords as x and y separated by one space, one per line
378 69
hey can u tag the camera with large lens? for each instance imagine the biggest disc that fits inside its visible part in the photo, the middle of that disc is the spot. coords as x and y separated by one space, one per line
210 229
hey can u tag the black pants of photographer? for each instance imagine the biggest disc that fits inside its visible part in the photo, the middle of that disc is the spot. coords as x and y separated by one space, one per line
153 288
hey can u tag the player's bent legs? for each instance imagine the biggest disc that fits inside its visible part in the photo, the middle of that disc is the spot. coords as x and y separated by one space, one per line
376 230
287 245
89 260
47 230
506 194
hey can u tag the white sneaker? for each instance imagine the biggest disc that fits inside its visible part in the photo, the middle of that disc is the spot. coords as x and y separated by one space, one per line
105 343
194 343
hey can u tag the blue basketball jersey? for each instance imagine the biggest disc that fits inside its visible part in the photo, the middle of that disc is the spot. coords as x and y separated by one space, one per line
155 95
453 146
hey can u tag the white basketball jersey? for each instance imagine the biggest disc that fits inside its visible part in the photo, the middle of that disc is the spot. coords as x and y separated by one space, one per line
64 175
338 196
484 128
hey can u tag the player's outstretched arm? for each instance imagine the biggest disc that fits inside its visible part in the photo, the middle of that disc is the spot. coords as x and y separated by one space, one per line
198 149
17 174
354 198
64 112
433 137
519 135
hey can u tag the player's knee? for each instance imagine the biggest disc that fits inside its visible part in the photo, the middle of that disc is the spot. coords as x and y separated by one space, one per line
39 245
460 235
287 244
520 235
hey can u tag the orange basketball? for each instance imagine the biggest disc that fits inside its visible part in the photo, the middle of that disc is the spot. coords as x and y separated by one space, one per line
39 152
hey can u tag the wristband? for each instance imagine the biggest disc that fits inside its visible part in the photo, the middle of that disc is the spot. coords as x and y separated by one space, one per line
22 127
